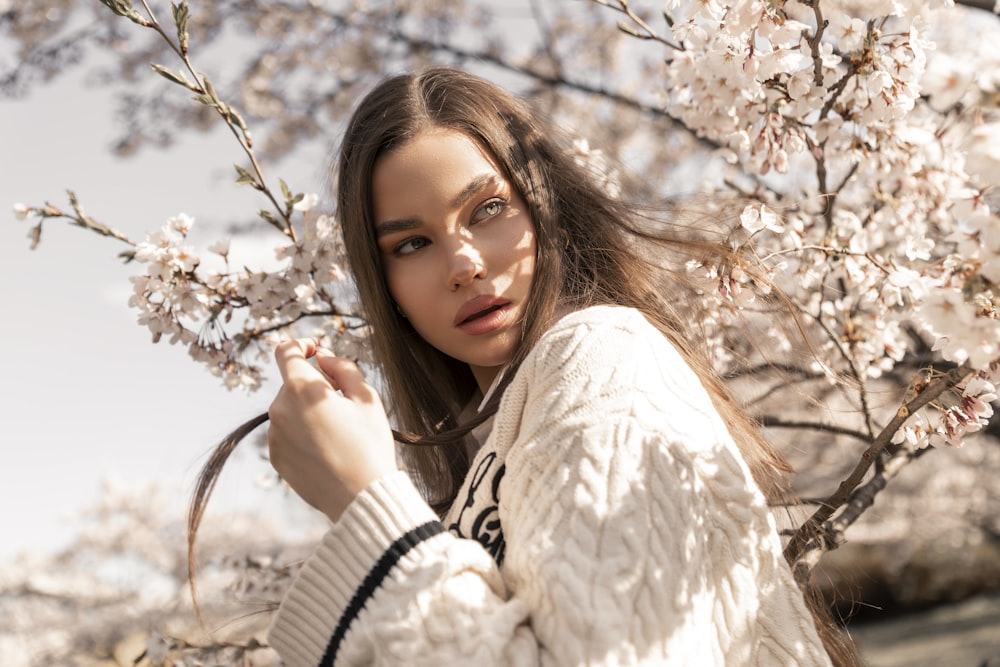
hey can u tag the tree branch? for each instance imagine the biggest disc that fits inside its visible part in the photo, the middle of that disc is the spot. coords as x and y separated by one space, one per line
814 525
772 421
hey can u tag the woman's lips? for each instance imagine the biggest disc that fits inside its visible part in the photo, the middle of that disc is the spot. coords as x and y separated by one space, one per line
490 320
482 314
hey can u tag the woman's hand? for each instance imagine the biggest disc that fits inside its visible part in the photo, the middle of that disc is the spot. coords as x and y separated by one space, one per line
328 446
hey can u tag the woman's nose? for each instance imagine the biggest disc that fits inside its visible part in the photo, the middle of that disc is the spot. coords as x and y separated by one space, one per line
465 266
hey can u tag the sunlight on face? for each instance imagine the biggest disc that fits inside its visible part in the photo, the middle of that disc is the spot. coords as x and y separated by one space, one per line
458 246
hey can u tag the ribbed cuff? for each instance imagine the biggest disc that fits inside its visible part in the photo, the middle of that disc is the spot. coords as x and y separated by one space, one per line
390 508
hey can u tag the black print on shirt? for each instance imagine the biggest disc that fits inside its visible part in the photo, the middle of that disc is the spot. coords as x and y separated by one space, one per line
483 527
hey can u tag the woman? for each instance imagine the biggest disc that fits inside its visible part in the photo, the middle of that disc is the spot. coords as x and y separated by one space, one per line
612 515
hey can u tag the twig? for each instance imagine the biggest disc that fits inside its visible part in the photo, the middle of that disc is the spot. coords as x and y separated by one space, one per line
771 421
830 251
814 42
647 32
312 313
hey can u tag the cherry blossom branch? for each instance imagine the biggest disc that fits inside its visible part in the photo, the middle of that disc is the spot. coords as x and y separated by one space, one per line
815 39
832 532
647 33
816 526
814 42
830 195
864 496
334 312
207 95
836 90
856 374
829 252
782 384
866 410
784 368
77 217
832 336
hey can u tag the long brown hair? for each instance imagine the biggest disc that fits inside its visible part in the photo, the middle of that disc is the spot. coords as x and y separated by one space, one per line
591 248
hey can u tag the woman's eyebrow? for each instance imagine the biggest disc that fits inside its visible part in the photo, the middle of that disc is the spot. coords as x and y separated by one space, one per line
387 227
474 186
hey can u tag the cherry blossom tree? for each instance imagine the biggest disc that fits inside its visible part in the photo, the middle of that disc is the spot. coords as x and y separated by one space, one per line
845 152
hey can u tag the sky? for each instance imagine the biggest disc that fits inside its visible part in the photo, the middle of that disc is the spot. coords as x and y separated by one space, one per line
85 398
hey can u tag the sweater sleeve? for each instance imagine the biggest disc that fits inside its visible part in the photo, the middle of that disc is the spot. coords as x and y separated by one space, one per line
389 586
633 535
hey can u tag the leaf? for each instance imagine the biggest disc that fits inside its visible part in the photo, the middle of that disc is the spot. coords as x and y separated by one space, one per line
127 256
35 234
626 28
119 7
238 119
284 189
180 12
206 100
267 215
124 8
169 75
82 218
245 177
210 89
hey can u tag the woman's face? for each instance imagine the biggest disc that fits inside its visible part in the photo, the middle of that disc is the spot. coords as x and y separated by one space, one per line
458 247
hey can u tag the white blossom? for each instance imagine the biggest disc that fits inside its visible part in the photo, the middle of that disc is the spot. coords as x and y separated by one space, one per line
220 247
757 218
307 203
181 223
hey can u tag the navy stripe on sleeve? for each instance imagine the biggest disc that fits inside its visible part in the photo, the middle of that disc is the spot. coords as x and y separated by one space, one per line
374 579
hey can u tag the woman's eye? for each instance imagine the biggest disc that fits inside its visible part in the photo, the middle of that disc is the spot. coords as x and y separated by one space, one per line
410 246
489 209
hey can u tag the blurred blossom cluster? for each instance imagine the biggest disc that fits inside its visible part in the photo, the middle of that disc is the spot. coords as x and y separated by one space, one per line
126 574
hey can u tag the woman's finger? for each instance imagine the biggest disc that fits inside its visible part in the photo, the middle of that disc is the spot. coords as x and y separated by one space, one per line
344 374
289 354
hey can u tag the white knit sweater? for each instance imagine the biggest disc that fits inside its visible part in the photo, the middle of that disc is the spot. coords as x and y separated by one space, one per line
607 520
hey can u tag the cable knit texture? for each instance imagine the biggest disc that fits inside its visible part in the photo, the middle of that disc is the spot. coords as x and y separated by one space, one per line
607 520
